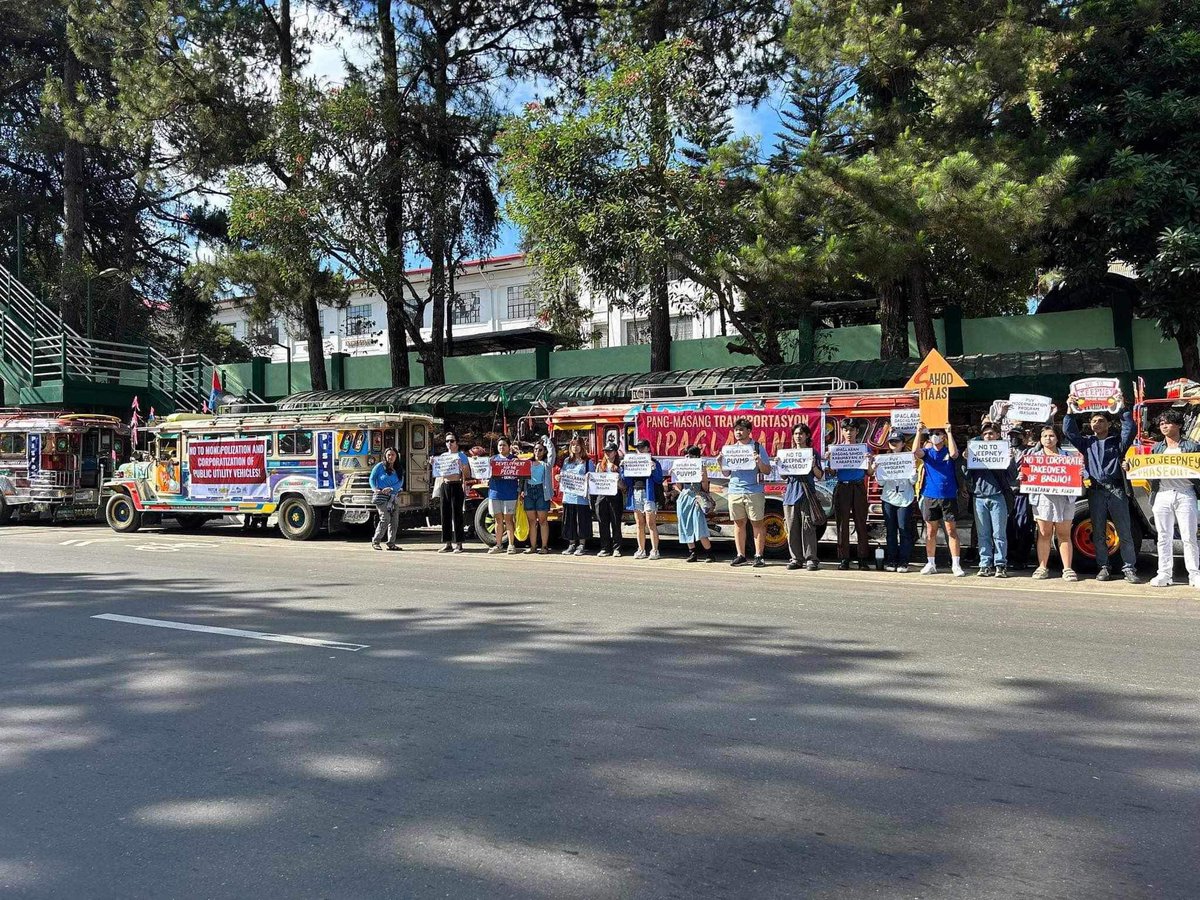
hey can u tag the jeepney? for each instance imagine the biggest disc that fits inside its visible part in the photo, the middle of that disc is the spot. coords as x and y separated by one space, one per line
674 418
303 469
52 464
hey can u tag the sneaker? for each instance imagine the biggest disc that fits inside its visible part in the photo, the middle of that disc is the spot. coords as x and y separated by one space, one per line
902 570
1132 577
712 557
1001 572
1194 581
570 551
616 553
1161 581
986 572
812 565
376 545
1070 575
843 564
793 565
930 568
529 550
693 557
602 553
496 549
759 562
579 550
542 551
459 549
654 554
888 567
1103 574
446 549
1041 573
394 547
512 551
641 554
738 560
864 564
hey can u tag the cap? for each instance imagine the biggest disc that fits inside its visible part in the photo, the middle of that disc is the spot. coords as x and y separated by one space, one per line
610 446
895 437
642 443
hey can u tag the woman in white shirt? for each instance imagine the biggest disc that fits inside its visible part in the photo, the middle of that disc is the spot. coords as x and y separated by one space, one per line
897 496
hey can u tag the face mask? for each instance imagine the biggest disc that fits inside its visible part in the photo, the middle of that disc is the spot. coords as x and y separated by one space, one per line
936 439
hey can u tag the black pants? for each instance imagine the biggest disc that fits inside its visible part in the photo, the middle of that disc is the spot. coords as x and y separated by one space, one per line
608 514
577 522
1022 532
452 512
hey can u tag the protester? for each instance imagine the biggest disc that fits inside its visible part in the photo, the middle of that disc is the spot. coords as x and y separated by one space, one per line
992 490
608 508
577 510
1053 514
536 499
799 497
850 502
386 482
939 494
1022 530
1173 501
643 496
453 498
1108 493
502 500
747 501
689 511
897 497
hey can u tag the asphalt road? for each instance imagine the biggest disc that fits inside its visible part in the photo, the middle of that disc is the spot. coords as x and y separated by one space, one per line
552 727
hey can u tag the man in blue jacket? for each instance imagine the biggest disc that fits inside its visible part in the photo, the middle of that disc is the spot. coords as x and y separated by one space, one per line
1107 495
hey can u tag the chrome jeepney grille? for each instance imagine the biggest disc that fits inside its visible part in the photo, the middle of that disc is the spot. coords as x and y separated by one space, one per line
49 483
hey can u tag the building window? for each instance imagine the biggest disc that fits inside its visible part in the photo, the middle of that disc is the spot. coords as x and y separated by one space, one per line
638 331
358 320
599 337
466 308
522 302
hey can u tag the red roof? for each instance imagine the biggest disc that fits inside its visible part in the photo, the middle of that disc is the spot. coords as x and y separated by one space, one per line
474 263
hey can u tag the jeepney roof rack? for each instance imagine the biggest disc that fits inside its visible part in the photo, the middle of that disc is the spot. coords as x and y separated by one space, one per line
733 390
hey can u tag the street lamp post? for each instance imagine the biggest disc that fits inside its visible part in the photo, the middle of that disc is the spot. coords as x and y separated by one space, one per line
101 274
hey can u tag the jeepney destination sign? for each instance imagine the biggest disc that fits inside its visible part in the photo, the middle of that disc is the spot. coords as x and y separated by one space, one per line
228 470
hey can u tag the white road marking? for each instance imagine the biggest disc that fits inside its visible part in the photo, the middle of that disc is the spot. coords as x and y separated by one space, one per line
233 632
76 542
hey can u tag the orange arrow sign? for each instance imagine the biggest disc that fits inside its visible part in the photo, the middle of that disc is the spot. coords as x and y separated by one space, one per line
933 380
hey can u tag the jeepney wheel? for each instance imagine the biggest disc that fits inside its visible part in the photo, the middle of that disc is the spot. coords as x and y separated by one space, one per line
297 520
190 521
776 531
6 511
122 516
485 524
1084 540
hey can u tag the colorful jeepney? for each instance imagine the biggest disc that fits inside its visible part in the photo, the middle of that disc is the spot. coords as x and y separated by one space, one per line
305 469
52 464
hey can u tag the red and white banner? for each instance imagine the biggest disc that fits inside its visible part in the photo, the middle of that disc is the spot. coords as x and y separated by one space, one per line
228 470
1052 474
671 433
512 468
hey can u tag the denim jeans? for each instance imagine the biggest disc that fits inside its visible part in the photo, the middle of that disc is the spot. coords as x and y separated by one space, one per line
1104 505
898 522
991 525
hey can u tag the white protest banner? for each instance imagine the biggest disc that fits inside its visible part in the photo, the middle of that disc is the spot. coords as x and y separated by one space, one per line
795 461
739 458
446 464
1029 408
603 484
481 467
988 454
687 470
906 420
573 483
848 456
895 466
638 465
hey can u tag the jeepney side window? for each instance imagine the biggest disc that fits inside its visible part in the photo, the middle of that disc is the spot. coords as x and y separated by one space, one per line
7 445
167 447
295 443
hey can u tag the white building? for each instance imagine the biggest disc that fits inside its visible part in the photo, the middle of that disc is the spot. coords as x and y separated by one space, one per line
496 312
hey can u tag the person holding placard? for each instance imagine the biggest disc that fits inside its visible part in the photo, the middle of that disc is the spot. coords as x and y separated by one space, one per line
577 509
992 492
453 496
1053 514
939 495
609 506
1022 530
897 496
386 482
850 501
1107 492
747 500
644 494
535 496
799 495
691 522
1173 501
502 500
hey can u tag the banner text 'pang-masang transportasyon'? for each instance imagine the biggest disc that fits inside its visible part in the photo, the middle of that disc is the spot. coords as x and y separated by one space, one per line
671 433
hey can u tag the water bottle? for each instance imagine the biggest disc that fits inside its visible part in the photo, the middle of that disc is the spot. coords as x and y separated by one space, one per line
878 559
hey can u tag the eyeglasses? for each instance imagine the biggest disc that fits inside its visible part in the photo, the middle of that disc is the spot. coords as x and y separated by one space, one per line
451 440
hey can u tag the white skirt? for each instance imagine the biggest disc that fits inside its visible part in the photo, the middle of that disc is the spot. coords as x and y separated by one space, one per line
1052 507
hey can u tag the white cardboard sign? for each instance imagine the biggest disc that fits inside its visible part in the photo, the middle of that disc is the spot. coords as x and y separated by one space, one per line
895 466
1029 408
638 465
989 454
739 458
795 461
906 420
603 484
848 456
687 470
481 467
573 483
446 464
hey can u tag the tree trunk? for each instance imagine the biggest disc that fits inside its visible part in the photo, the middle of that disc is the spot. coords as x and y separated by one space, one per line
439 231
660 299
397 342
893 321
316 341
1189 350
918 307
432 359
73 201
660 323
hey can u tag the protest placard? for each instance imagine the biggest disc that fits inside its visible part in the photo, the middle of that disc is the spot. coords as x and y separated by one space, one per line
1029 408
603 484
848 456
795 461
481 468
739 457
988 454
446 464
573 483
1164 465
906 420
687 470
511 468
1095 395
895 467
638 465
1051 473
